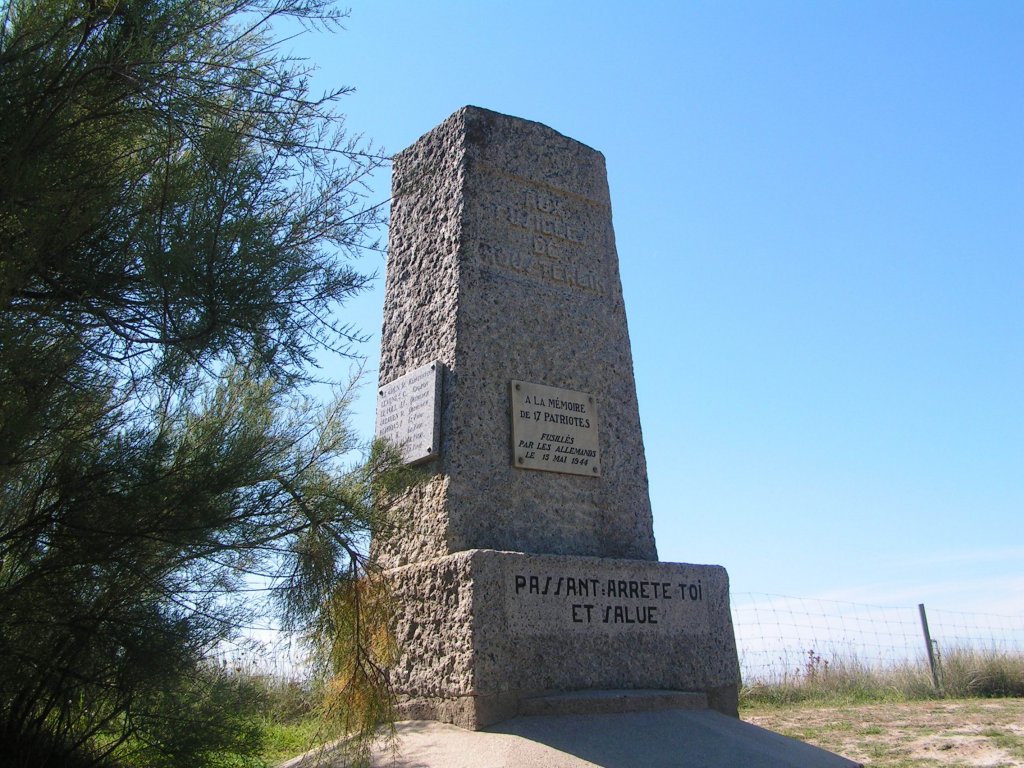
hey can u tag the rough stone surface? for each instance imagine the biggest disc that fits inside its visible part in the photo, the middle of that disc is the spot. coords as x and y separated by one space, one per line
502 265
515 577
479 635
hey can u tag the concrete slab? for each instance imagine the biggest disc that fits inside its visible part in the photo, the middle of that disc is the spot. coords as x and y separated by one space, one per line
663 739
667 739
611 702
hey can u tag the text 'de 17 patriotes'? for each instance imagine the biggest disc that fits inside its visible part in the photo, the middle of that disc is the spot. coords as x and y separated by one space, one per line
554 430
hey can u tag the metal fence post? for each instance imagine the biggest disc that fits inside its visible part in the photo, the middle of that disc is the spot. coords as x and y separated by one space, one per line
928 645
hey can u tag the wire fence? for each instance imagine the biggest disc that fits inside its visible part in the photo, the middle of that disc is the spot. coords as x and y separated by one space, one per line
779 636
267 653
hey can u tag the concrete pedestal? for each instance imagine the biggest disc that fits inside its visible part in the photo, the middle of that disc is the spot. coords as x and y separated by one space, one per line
483 632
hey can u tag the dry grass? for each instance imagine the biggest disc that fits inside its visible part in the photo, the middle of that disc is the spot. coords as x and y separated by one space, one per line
918 734
963 674
894 717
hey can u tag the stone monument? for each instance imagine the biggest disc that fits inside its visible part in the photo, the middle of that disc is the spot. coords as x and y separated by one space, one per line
525 567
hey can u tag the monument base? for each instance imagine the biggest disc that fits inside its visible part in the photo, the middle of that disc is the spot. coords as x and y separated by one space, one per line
483 632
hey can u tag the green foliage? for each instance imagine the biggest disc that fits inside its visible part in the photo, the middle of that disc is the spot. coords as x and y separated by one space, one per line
169 189
176 217
223 712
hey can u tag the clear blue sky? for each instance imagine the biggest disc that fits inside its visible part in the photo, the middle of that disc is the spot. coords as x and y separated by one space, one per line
819 212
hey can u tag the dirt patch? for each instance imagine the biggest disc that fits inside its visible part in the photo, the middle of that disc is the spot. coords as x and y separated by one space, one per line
963 732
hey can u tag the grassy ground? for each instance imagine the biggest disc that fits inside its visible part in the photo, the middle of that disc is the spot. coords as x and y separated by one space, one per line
895 717
947 732
291 720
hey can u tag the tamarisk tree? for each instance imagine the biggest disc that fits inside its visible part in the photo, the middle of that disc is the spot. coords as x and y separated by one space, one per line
179 217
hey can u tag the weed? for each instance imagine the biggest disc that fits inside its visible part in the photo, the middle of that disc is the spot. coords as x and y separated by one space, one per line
985 674
815 668
836 681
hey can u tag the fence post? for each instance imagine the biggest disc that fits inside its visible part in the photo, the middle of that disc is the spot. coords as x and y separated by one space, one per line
928 645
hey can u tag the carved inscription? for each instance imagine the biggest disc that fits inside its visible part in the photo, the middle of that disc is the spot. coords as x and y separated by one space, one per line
408 412
554 430
547 239
546 600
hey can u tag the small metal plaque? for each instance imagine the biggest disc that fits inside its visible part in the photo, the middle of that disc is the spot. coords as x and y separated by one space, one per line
554 430
409 412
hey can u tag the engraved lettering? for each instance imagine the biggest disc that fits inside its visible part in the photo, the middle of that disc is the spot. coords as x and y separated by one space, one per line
560 425
621 604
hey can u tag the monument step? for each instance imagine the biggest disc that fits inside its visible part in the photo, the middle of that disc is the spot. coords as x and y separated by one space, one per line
605 702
